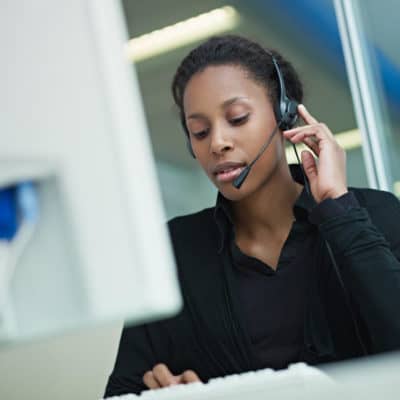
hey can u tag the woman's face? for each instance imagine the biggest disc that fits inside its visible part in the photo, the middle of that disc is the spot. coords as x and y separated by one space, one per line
230 117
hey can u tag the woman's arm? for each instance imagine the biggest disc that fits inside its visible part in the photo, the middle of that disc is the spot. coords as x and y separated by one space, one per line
151 356
366 246
365 241
135 356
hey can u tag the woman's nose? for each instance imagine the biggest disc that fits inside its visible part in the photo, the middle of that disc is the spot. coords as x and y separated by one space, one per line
220 142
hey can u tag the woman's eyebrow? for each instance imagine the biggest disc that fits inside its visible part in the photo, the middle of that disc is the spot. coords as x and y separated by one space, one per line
232 100
225 104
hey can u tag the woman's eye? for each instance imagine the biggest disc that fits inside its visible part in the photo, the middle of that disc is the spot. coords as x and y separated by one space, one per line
200 135
239 120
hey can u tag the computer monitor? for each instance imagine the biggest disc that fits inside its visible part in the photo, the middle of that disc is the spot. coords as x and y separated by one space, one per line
72 122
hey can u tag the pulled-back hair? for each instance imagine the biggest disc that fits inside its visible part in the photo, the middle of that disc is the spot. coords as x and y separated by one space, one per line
241 52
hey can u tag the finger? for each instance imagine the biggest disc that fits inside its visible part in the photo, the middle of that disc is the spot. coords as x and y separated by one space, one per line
302 137
313 129
318 127
312 132
305 115
309 165
163 375
190 376
305 128
312 144
150 381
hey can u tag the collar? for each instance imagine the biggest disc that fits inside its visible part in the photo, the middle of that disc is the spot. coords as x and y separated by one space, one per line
223 209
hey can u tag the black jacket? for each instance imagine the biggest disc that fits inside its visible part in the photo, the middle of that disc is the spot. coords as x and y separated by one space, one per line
207 335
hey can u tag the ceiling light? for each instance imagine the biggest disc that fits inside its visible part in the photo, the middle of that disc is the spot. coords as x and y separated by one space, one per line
182 33
396 188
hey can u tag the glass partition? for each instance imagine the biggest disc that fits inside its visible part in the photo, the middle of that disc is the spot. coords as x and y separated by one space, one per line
369 36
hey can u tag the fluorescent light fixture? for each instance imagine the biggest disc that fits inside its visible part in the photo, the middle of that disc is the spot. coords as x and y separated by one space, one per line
182 33
349 140
396 188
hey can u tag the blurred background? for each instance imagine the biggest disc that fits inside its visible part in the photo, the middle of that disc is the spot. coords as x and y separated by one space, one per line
306 33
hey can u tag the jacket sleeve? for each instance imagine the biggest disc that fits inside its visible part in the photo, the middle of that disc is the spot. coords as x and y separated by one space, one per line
135 356
366 246
140 349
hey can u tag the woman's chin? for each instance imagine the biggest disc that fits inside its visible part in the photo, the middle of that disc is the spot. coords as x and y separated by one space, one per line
231 193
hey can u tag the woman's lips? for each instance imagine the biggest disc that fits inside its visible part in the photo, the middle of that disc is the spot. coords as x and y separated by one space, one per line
229 174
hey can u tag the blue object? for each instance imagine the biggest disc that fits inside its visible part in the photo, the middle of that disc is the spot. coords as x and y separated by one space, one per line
8 213
17 203
27 200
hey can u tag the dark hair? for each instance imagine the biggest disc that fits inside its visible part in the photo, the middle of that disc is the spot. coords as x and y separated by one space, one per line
237 50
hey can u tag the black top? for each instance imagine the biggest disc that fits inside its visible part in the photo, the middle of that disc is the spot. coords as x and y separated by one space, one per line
272 303
227 326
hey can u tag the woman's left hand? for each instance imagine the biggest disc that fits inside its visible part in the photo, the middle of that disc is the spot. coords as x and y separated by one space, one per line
327 177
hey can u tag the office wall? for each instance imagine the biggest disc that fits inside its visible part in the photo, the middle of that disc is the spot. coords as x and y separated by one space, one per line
72 366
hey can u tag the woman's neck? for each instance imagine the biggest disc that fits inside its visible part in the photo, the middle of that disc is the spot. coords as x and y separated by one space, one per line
269 210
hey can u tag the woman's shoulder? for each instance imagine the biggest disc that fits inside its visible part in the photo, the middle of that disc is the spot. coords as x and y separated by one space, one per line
195 217
192 224
194 236
383 209
375 199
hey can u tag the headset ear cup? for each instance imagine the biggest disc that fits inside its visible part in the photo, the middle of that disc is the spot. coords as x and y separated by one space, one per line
289 116
278 113
189 147
292 113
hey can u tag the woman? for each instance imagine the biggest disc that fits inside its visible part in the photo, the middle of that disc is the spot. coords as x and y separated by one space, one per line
277 272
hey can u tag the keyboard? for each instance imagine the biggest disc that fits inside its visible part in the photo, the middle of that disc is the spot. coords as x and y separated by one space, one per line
298 380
